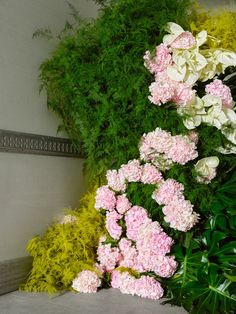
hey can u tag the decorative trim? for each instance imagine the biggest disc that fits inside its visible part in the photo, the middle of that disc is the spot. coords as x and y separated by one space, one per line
26 143
13 272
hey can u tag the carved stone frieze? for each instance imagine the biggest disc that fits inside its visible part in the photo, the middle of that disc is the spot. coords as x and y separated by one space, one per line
26 143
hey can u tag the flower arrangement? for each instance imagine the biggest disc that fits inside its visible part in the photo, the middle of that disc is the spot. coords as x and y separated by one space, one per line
179 62
135 254
169 211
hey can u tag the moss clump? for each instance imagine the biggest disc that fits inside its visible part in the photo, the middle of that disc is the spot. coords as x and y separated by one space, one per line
65 249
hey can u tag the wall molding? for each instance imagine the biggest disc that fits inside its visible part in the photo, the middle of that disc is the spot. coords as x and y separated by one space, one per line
27 143
14 272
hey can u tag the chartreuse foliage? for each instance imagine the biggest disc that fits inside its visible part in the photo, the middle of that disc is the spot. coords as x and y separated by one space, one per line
65 249
97 84
220 24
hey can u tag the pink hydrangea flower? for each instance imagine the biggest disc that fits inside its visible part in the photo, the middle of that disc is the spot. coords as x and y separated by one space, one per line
154 143
129 254
116 181
182 150
168 191
108 256
132 171
105 198
162 90
152 238
123 281
151 175
112 225
185 40
134 219
180 215
122 204
183 94
86 281
148 287
217 88
166 266
160 62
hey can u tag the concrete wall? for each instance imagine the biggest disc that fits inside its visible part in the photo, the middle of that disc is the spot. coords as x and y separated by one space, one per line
33 189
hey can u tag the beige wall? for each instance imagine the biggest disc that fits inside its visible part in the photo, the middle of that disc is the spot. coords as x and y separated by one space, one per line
217 3
33 189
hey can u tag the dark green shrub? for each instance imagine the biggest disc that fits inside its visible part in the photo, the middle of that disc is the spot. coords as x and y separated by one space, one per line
96 81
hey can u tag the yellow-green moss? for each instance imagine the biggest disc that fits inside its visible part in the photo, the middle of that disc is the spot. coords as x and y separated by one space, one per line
218 23
65 249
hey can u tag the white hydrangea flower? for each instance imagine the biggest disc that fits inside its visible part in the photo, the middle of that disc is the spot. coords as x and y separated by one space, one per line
206 169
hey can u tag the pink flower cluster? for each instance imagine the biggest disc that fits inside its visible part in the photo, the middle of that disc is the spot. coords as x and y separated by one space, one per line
86 281
178 211
162 149
108 256
161 60
112 225
164 89
133 171
136 242
145 286
143 248
217 88
134 219
105 198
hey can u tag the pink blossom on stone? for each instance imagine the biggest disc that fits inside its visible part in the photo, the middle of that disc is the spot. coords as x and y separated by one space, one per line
168 191
132 171
122 204
148 287
134 219
180 215
182 150
112 225
107 256
86 281
185 40
217 88
151 175
116 181
166 266
105 198
123 281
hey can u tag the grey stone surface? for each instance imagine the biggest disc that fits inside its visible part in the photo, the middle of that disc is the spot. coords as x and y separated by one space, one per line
13 272
109 301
